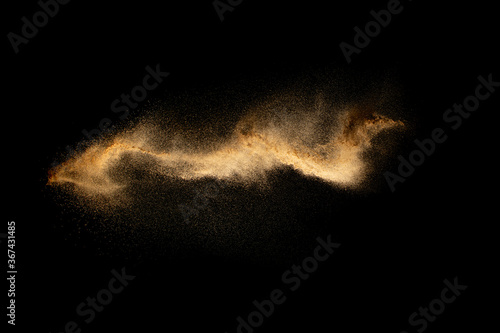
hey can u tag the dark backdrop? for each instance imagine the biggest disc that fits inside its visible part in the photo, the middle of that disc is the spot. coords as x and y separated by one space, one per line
397 248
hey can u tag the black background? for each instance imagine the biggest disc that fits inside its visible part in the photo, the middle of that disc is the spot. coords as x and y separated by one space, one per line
397 248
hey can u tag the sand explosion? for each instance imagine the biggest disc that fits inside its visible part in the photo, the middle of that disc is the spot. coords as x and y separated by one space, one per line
328 146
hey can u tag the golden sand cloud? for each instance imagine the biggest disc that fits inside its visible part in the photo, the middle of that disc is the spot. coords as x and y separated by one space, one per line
328 147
